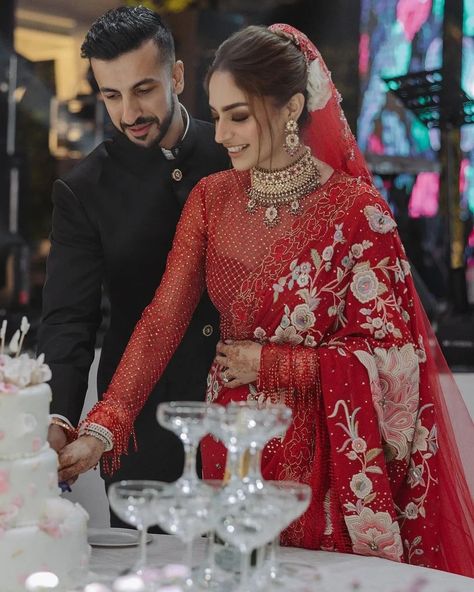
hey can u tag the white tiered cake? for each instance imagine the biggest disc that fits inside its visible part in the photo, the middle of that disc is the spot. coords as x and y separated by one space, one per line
39 531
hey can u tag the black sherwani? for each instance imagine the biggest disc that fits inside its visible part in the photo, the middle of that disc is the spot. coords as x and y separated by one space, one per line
113 223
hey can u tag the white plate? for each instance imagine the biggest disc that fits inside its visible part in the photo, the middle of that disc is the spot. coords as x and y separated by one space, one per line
114 537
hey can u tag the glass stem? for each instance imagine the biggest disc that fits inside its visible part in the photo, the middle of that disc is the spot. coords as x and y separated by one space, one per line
210 559
244 571
232 465
189 558
141 563
190 451
255 472
274 546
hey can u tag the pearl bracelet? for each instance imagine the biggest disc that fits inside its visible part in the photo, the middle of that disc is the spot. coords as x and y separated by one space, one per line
99 432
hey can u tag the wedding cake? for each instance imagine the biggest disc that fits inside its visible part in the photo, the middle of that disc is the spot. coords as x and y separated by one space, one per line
39 531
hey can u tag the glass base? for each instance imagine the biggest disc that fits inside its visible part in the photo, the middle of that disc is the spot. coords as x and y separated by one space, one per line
213 579
297 577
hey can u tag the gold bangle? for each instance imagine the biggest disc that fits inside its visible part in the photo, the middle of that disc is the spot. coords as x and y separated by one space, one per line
71 433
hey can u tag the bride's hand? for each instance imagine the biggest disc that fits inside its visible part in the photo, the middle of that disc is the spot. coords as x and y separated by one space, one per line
79 456
240 361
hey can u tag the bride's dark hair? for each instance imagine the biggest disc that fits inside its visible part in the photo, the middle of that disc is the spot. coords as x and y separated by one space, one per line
264 64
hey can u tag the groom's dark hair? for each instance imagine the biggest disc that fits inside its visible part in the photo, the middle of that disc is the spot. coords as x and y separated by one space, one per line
124 29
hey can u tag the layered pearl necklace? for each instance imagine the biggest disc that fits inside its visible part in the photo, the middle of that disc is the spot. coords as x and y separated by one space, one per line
272 189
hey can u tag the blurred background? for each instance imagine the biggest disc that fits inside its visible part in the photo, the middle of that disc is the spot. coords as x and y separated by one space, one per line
405 70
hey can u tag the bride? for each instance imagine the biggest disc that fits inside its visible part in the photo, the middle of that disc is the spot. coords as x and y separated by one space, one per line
302 258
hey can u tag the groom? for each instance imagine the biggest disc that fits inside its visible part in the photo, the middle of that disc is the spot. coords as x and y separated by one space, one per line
113 224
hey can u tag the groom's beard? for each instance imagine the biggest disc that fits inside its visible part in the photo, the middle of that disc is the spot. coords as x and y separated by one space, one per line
163 126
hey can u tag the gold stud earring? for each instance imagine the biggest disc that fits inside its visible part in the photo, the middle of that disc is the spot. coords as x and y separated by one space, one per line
292 139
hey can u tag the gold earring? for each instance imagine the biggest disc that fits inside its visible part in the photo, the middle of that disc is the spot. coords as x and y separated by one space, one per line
292 139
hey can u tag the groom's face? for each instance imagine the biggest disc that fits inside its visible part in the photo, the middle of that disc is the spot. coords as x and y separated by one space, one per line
140 93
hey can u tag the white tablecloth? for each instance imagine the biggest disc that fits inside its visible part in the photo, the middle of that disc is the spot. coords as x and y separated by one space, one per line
339 572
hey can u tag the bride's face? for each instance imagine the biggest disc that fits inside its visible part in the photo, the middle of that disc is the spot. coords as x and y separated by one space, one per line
253 134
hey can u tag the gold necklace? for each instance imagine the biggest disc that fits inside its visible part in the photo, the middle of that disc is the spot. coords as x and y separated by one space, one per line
281 187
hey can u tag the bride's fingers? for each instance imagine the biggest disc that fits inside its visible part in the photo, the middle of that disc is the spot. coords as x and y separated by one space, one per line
234 383
221 360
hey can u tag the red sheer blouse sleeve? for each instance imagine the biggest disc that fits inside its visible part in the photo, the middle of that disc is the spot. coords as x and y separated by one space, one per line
159 330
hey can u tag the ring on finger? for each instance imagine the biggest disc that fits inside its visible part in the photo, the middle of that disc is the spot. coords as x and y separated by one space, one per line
225 378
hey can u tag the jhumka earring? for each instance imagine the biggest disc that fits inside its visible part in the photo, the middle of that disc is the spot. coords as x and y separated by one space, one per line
292 140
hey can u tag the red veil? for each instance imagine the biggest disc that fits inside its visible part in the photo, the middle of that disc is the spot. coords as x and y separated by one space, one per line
332 141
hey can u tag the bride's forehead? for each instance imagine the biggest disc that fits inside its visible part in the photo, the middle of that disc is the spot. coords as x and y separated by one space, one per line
225 93
223 84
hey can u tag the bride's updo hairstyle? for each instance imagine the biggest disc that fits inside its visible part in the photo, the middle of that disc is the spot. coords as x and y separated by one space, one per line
264 65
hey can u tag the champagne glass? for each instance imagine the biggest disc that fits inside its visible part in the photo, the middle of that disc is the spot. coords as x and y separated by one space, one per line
188 420
186 512
247 520
208 576
293 500
260 424
135 502
230 427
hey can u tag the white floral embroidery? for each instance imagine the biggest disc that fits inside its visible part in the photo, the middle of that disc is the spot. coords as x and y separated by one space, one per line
364 285
328 253
411 511
260 334
420 352
420 439
302 280
375 533
357 250
286 335
405 267
302 318
359 445
361 485
338 235
379 221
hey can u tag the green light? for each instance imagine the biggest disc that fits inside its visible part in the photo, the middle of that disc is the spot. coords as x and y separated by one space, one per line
438 8
468 18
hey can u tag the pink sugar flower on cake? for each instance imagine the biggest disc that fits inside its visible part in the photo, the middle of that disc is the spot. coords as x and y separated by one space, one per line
54 516
50 526
7 516
5 387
